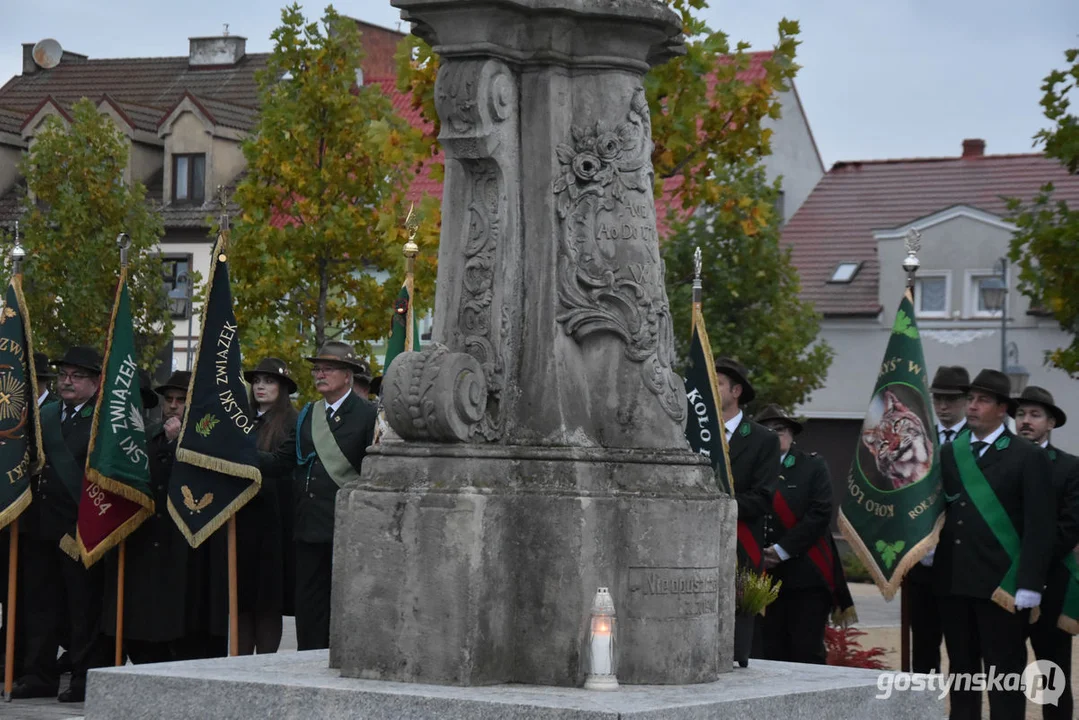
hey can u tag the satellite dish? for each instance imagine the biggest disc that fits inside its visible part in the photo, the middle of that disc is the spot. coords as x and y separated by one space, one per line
47 53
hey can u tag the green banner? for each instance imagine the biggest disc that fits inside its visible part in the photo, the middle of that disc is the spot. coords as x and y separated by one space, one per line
20 426
116 497
894 508
398 328
216 470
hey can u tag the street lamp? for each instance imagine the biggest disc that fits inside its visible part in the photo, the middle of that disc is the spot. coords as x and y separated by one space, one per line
994 293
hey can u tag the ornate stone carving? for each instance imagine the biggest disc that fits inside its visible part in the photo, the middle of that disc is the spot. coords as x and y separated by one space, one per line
610 275
435 395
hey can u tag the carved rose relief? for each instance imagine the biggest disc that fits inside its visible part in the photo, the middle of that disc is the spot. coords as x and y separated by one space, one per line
610 275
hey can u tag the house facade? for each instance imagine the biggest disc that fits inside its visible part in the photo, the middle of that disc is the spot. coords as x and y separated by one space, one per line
848 244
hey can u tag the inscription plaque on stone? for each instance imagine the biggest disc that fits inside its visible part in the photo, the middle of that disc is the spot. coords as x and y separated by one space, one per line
672 592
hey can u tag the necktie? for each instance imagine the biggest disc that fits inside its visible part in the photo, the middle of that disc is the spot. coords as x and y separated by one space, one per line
329 414
69 412
977 446
948 435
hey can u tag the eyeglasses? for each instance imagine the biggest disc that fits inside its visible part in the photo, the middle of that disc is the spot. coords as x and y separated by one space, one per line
323 370
73 376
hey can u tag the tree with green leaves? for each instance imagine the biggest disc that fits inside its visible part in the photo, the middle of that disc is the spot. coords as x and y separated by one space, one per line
77 204
707 112
316 253
1046 242
751 306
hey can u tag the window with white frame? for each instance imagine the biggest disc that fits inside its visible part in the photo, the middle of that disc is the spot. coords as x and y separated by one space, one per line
974 302
932 294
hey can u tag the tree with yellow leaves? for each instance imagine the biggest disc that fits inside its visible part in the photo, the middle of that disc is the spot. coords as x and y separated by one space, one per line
316 251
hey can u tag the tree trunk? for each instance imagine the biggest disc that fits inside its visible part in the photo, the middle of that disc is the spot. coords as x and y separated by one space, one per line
320 313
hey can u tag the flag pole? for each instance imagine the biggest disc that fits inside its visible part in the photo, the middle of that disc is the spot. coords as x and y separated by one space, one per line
911 263
123 242
234 597
411 249
18 253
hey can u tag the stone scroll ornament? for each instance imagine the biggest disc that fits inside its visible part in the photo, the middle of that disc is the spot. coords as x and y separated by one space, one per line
435 395
610 275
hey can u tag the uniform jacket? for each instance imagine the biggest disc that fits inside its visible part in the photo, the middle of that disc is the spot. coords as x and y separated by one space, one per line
353 427
754 451
807 489
1066 486
969 560
53 513
155 577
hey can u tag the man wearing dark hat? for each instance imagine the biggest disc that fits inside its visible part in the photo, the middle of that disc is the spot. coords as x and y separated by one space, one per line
991 563
157 553
45 376
333 439
754 452
949 391
799 551
59 584
1035 418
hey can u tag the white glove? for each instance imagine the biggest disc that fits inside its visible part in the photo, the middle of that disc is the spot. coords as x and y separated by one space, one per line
928 559
1025 599
783 555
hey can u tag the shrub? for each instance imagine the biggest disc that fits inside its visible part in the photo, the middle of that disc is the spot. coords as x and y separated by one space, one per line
753 591
845 650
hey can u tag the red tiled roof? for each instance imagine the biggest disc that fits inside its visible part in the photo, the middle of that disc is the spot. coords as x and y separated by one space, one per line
836 222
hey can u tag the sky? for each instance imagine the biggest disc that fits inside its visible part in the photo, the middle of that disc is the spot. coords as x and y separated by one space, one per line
879 79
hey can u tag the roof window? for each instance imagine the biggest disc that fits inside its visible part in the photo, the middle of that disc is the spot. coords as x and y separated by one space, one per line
844 272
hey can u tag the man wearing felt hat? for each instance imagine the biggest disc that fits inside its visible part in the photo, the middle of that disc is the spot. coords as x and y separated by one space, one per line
1051 635
754 453
993 556
800 552
949 392
59 584
155 583
333 437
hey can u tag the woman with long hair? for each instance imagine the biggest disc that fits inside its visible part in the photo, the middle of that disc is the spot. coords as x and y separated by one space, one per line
261 536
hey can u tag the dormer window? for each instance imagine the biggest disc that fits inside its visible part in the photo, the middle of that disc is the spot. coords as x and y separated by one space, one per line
189 179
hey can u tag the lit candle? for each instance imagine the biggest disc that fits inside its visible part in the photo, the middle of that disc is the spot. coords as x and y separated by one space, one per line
601 644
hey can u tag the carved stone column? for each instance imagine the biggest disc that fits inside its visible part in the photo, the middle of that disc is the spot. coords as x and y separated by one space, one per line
542 451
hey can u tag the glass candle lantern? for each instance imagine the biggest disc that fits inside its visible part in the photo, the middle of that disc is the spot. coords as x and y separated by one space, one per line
602 657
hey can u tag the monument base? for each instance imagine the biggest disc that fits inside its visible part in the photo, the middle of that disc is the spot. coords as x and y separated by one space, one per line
477 566
300 685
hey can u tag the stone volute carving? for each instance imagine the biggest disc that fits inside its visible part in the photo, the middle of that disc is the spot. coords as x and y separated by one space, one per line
610 275
475 100
435 395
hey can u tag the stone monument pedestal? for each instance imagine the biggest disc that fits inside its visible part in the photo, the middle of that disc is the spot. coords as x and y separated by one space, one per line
299 685
476 565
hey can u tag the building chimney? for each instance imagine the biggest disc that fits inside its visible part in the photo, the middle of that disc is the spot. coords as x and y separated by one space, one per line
973 148
216 51
29 67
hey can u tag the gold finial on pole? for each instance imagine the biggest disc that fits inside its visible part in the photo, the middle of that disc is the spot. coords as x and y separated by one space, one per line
697 287
411 250
913 242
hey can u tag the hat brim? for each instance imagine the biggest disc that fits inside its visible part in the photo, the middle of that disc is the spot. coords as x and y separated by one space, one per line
345 364
160 389
794 425
1059 415
748 393
249 376
1013 404
44 373
957 391
89 368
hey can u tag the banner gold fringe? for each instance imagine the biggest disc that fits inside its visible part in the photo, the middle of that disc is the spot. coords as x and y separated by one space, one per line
889 586
37 453
196 539
15 509
844 618
118 488
70 547
226 467
117 536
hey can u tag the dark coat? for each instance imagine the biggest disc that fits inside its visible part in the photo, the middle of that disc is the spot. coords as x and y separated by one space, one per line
155 574
1066 486
53 512
969 559
314 490
807 489
754 451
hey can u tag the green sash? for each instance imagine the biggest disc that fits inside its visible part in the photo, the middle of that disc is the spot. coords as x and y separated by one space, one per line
329 452
1069 617
56 450
994 514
